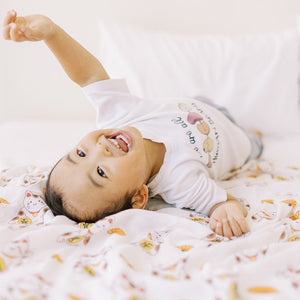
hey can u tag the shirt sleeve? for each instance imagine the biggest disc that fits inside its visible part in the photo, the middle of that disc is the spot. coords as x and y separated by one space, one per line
200 194
113 102
111 85
189 187
204 195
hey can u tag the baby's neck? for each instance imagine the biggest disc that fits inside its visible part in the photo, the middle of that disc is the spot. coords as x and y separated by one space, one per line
156 154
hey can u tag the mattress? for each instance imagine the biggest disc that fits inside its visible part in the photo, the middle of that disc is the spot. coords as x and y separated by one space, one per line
161 252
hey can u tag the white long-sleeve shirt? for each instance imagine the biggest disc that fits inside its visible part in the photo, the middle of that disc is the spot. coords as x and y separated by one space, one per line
201 143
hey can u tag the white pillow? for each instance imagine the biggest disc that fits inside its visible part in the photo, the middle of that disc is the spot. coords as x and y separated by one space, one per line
255 77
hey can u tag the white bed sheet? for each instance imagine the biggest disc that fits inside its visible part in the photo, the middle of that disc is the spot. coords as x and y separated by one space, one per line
38 142
159 253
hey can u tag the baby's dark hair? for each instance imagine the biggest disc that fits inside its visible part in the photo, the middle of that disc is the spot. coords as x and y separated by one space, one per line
54 200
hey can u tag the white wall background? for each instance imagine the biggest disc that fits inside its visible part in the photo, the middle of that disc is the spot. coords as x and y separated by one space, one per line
33 85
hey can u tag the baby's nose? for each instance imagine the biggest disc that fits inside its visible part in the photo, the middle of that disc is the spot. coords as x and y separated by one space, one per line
104 150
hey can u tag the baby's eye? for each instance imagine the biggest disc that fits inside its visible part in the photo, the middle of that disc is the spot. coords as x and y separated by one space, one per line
80 153
101 172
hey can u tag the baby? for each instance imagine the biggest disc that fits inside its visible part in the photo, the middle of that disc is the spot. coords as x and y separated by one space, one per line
176 148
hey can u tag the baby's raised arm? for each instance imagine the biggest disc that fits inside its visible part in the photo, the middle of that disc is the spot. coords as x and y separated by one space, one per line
80 65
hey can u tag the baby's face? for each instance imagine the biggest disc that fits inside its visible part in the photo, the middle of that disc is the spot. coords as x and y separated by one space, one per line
101 169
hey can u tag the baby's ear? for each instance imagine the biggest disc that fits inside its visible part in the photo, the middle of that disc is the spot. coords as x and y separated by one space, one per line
140 198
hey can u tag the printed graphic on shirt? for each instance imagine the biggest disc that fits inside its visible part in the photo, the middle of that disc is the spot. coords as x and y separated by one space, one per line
201 132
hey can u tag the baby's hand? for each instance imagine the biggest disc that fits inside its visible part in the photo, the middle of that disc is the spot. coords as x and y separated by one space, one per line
228 219
29 28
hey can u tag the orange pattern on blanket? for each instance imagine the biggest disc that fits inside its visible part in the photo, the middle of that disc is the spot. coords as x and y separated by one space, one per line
280 178
3 201
146 244
2 265
199 218
290 202
57 257
296 216
85 225
130 265
89 270
270 201
72 297
262 290
118 231
253 176
233 292
185 248
294 238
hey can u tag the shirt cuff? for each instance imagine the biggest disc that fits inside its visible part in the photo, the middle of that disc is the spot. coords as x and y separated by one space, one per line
115 85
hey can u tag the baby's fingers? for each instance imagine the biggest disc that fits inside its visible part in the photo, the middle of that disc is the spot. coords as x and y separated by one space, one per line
10 17
219 228
16 33
216 226
235 227
243 224
6 32
226 228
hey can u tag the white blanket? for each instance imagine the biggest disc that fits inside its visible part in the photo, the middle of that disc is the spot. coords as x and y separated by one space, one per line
159 253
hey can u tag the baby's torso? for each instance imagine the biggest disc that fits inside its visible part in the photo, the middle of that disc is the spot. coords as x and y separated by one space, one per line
195 131
201 143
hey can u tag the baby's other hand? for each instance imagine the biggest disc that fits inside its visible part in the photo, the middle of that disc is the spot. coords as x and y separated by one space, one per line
28 28
228 219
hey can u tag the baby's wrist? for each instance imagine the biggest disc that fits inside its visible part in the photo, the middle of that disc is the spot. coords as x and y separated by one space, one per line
52 30
215 207
234 201
240 205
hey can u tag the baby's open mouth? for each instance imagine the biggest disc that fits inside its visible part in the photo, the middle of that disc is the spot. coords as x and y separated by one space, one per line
121 139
